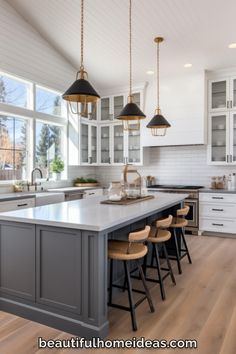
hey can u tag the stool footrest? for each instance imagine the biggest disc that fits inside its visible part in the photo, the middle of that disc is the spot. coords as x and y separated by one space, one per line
127 308
125 288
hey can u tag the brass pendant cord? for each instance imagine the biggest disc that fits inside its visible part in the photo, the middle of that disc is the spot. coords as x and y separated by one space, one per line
82 36
130 48
158 71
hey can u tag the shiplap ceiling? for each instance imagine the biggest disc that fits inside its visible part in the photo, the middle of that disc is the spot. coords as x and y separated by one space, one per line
195 31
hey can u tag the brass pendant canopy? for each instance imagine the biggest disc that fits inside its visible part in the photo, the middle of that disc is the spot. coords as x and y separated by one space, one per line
131 114
81 91
158 124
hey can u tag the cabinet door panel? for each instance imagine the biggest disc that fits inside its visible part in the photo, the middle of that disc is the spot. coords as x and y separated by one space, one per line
17 247
84 143
219 141
105 145
105 109
233 137
118 144
218 95
93 144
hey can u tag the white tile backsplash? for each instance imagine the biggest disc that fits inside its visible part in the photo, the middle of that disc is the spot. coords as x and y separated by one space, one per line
172 165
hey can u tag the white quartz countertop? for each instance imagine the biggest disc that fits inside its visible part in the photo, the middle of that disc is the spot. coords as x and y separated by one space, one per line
24 195
89 214
72 189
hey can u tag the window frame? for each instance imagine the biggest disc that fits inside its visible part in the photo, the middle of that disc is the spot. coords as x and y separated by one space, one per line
31 115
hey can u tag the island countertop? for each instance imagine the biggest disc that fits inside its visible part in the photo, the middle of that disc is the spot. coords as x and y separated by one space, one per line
89 214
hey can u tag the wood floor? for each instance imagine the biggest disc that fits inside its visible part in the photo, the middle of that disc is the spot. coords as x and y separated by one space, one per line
201 306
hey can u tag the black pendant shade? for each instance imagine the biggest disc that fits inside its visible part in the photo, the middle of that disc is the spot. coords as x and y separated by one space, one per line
131 112
158 121
81 91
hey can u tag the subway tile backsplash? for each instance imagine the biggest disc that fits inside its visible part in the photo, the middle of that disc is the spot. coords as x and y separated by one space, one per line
172 165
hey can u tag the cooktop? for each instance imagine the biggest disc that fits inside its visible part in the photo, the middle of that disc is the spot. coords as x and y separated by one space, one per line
169 186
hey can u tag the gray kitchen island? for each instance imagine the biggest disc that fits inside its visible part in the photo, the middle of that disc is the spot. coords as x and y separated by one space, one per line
53 259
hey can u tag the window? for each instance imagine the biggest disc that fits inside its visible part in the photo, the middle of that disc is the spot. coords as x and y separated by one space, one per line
48 145
13 148
33 128
15 92
49 102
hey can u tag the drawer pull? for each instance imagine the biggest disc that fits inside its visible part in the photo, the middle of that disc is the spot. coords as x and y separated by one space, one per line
20 205
217 209
217 197
217 224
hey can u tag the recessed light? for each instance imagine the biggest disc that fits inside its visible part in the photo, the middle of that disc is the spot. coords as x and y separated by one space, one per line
150 72
188 65
232 45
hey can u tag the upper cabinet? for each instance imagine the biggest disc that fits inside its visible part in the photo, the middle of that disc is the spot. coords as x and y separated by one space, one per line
222 121
98 138
110 107
222 94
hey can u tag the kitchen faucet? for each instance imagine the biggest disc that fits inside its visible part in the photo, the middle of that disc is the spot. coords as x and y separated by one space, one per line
34 183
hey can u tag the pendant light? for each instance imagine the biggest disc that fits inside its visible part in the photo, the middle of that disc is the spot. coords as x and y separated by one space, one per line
158 123
131 113
81 91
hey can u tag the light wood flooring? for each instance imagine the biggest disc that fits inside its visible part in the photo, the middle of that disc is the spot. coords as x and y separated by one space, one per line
201 306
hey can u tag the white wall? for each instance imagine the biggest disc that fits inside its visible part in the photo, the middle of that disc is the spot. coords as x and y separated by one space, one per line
25 53
173 165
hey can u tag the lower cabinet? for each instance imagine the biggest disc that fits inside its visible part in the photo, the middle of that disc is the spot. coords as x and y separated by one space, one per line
17 260
217 212
17 204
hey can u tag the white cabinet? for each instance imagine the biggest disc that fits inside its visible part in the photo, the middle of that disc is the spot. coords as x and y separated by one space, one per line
17 204
222 121
222 94
110 107
88 143
217 212
93 193
103 141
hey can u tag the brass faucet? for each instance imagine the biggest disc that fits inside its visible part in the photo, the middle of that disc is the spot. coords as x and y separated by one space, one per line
33 182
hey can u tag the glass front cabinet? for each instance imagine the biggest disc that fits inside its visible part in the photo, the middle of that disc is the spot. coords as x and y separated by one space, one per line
222 138
89 143
110 107
222 94
222 121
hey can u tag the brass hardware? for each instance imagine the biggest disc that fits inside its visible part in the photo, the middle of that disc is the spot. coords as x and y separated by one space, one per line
158 123
130 112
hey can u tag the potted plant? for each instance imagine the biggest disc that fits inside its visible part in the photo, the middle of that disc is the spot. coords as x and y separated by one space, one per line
85 182
57 166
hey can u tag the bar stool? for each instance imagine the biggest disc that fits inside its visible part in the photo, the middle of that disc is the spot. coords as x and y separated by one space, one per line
178 225
126 251
158 236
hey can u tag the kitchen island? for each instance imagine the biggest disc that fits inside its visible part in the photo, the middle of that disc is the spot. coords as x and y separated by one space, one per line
53 259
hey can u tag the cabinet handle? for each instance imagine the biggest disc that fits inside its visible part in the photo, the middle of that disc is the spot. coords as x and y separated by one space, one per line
109 159
20 205
217 197
217 224
227 105
227 158
217 209
91 193
231 104
231 158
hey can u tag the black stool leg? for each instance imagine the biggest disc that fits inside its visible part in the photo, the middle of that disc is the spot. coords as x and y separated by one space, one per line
169 264
131 301
163 296
177 252
186 247
110 283
145 265
145 287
